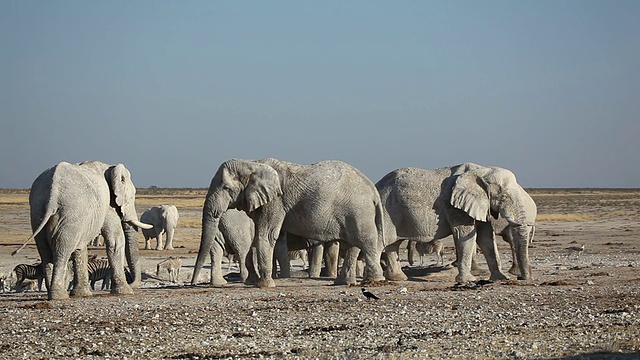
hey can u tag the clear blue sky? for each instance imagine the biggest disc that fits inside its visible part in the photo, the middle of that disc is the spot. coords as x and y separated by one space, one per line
548 89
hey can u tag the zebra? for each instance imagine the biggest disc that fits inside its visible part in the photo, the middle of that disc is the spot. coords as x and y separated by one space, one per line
301 254
99 269
172 265
32 272
3 282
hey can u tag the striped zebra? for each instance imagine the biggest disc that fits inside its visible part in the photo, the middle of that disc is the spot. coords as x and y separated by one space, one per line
299 254
172 265
32 272
99 269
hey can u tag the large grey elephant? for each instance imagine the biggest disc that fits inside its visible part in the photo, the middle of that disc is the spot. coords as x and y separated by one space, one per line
70 205
235 235
325 201
164 219
459 200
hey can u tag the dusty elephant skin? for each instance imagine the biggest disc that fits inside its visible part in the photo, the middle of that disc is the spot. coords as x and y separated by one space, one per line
164 219
325 201
460 200
584 307
70 205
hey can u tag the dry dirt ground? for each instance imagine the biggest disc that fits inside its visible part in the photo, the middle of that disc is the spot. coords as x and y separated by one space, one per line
578 306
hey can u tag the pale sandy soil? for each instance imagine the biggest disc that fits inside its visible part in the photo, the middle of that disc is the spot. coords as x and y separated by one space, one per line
577 307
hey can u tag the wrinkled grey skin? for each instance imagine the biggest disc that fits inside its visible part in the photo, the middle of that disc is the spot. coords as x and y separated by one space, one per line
235 235
425 205
325 201
319 252
164 219
502 229
70 205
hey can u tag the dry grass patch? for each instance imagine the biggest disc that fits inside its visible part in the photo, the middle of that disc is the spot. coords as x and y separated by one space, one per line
193 223
573 217
177 201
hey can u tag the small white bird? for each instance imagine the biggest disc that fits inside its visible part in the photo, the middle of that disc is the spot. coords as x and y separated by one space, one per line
369 295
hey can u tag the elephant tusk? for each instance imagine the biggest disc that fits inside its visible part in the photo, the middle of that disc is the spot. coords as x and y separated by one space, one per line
140 224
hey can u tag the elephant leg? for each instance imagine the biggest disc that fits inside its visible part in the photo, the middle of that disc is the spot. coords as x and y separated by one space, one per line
264 249
281 256
80 273
347 274
372 255
114 240
251 261
168 245
242 264
394 269
487 242
474 262
58 288
46 256
159 239
147 242
315 260
216 265
464 237
331 256
411 251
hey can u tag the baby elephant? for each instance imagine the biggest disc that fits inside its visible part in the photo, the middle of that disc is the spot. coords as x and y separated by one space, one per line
431 247
172 265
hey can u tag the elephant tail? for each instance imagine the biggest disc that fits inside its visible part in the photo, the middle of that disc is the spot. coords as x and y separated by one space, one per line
44 221
380 224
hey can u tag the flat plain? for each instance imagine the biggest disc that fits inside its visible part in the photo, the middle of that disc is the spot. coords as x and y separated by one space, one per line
578 306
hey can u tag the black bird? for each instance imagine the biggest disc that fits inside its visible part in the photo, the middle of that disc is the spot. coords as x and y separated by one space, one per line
369 295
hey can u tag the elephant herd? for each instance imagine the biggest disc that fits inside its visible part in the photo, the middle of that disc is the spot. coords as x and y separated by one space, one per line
325 203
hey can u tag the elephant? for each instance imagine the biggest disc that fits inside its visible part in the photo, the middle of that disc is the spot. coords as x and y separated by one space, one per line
235 235
70 204
459 200
324 201
164 219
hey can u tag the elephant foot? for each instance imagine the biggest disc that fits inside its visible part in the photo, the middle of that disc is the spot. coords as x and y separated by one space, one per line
168 248
76 292
464 279
217 281
395 276
122 290
498 276
345 281
58 295
266 283
514 271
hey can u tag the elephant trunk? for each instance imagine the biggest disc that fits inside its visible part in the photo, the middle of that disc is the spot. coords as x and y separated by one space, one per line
521 237
209 231
132 255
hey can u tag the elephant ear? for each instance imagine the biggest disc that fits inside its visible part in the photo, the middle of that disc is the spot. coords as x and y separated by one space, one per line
262 186
470 195
118 181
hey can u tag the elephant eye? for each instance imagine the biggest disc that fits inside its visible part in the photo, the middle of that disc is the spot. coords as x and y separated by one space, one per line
226 188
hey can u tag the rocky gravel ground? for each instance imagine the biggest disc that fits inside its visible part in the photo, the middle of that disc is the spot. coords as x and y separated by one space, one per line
583 306
584 311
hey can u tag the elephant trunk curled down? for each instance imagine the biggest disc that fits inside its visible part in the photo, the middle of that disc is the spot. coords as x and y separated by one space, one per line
325 201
